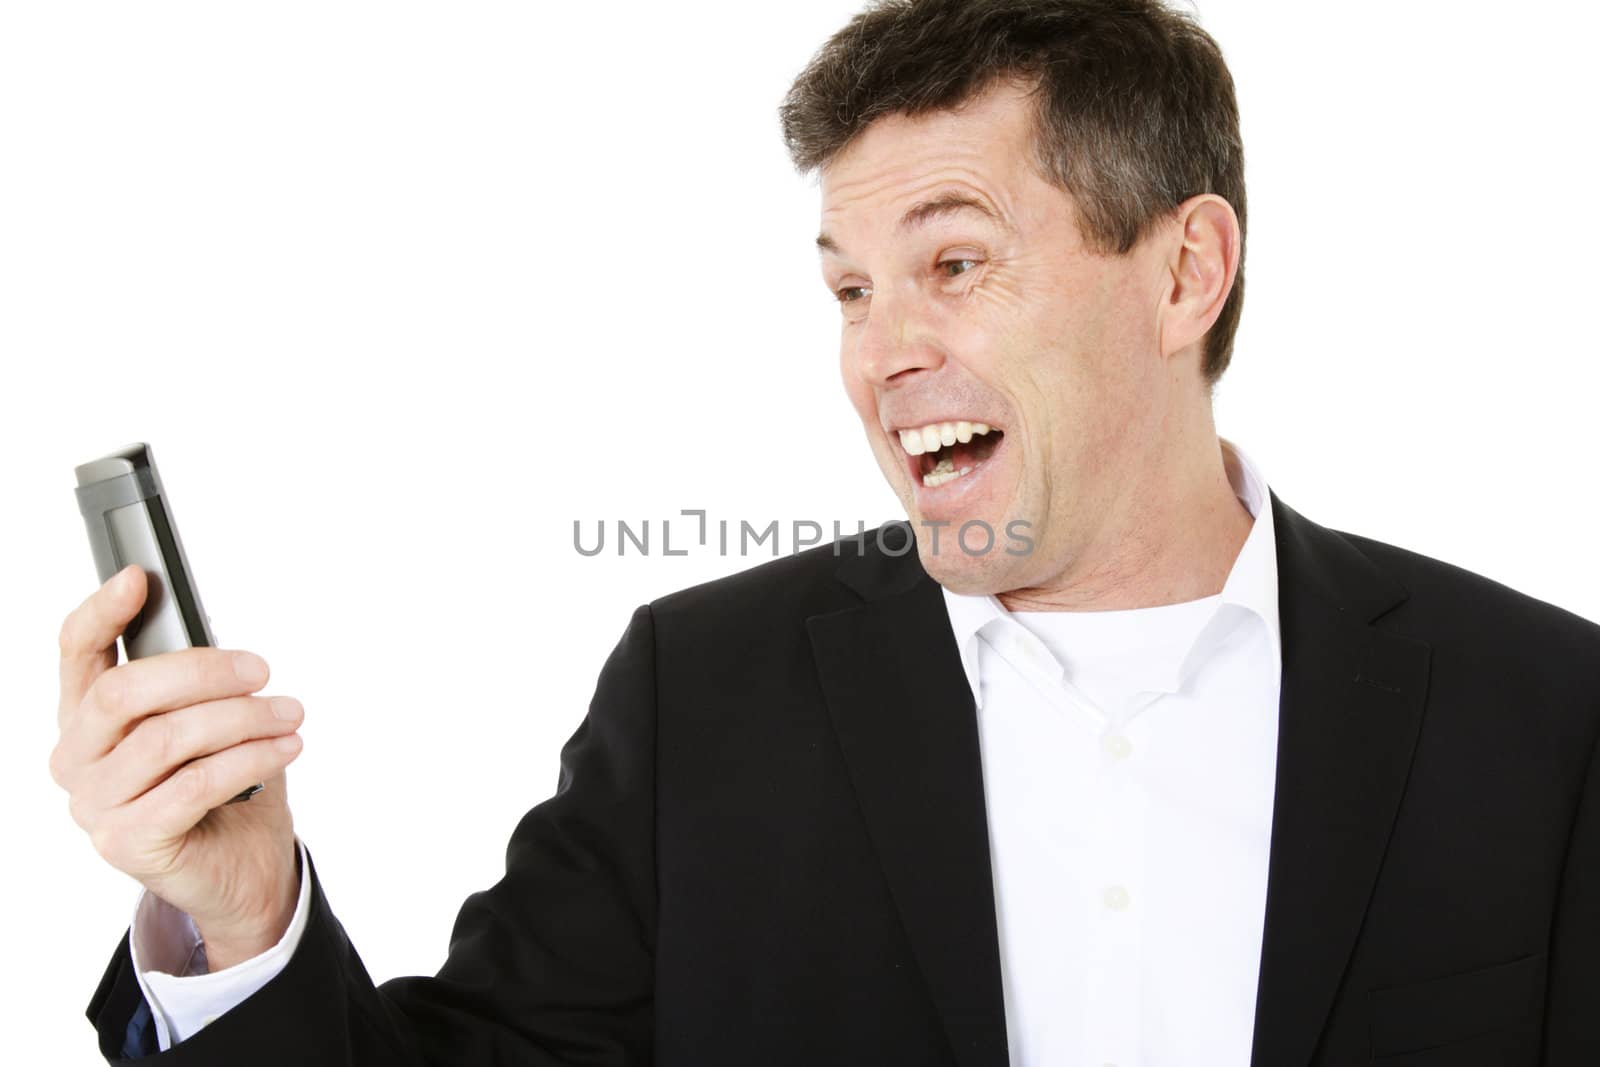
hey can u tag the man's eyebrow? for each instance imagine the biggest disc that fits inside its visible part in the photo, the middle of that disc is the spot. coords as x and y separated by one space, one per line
926 211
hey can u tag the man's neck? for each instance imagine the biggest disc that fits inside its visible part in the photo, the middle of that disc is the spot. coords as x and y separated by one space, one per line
1173 538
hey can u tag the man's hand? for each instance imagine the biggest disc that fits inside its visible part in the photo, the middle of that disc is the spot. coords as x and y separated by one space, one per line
151 751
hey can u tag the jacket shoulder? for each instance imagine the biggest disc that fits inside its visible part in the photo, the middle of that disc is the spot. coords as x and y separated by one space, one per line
746 632
1451 601
795 586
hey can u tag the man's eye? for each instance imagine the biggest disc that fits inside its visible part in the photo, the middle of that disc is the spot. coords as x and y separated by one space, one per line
850 293
964 264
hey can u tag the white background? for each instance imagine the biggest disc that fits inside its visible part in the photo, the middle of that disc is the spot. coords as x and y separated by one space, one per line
398 291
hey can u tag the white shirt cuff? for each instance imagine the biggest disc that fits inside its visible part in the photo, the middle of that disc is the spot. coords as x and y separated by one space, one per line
170 962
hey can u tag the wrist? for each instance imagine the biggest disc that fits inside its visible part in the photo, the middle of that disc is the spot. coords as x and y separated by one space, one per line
227 944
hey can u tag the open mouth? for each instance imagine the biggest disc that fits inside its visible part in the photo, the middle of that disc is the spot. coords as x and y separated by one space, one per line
943 452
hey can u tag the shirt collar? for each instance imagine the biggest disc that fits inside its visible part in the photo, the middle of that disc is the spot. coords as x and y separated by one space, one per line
1252 583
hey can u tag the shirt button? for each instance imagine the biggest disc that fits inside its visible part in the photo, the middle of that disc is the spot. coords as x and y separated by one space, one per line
1116 746
208 1020
1117 898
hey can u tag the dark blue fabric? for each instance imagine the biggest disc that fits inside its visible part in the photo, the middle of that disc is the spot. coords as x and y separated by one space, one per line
140 1038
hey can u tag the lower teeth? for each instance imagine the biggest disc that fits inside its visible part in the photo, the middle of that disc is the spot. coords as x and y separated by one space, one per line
944 472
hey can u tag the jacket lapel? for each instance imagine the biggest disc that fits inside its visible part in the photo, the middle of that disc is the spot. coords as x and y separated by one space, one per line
1348 717
1350 710
903 712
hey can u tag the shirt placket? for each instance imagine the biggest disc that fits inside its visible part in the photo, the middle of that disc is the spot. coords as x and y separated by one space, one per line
1115 822
1117 836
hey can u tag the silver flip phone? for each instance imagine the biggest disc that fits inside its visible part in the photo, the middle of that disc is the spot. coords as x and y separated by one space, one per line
130 520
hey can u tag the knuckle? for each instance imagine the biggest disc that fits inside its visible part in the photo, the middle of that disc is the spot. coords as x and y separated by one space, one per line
206 672
103 839
192 784
218 666
76 808
199 669
58 770
167 739
67 638
108 693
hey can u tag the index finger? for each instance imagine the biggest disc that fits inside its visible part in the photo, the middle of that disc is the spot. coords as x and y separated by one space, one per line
89 634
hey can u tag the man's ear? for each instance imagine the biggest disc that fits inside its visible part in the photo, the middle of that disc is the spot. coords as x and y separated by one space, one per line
1201 266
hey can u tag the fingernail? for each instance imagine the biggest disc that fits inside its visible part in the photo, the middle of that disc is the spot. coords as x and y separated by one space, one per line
286 707
251 668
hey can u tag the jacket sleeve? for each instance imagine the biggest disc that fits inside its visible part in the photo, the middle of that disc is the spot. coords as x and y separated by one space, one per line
169 960
1572 1025
553 964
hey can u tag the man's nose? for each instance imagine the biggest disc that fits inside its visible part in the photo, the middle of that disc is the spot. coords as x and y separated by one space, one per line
894 341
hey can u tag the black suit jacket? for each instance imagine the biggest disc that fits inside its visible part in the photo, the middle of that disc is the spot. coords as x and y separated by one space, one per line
768 844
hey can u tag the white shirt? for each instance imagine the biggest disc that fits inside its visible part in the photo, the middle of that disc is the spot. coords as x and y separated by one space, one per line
170 963
1129 759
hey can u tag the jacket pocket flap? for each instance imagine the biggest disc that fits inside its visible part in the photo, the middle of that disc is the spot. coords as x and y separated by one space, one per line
1421 1015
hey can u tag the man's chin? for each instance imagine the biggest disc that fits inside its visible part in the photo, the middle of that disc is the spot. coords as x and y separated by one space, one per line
964 573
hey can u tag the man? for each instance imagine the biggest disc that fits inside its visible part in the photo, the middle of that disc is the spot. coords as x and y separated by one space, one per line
1127 762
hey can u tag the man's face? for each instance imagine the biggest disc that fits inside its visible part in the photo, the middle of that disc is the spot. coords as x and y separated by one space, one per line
968 296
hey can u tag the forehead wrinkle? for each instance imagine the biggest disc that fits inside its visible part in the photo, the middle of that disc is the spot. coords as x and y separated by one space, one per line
955 191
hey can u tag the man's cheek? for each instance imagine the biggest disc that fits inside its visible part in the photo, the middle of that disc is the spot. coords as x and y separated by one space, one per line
857 388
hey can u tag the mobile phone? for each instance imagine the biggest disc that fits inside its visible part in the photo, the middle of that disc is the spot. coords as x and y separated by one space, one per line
129 518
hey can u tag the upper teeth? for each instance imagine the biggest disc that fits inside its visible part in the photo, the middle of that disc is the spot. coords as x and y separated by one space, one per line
935 435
